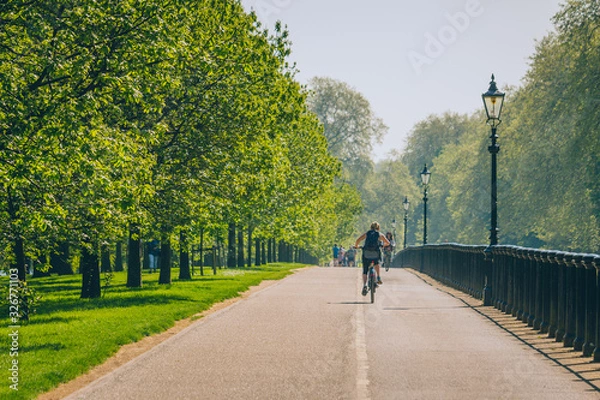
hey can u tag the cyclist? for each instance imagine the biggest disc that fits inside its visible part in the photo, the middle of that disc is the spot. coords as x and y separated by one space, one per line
371 252
388 250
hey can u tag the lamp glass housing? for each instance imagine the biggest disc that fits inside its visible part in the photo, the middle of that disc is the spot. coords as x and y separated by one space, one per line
425 175
493 100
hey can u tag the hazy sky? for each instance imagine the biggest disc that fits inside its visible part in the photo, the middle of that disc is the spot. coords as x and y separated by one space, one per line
412 58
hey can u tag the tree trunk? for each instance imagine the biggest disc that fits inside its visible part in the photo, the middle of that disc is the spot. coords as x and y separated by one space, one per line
270 257
240 248
281 252
249 249
60 260
19 264
231 246
263 251
134 265
221 253
257 252
119 257
105 259
90 270
165 260
202 251
184 257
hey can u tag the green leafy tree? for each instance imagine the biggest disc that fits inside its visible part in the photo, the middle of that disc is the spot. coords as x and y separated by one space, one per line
554 136
64 69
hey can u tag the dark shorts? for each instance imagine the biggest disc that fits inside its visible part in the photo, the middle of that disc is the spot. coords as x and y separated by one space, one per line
368 258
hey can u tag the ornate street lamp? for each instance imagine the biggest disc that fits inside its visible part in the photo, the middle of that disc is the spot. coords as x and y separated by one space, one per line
493 100
405 205
425 175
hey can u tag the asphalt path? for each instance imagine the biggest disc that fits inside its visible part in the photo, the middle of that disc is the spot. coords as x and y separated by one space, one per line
313 336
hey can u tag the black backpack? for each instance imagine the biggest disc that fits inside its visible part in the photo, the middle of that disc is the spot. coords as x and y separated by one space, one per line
372 241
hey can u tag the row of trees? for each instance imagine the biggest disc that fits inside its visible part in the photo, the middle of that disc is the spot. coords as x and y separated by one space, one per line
161 118
549 163
549 191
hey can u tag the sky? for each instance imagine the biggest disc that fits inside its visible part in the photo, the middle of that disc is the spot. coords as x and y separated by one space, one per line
412 58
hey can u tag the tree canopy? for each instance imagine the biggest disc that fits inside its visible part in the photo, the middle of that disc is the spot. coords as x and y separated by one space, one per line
548 186
168 115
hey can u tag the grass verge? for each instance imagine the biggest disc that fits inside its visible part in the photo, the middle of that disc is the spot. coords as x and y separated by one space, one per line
68 336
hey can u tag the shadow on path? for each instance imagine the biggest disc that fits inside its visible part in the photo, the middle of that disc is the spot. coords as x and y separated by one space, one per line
525 334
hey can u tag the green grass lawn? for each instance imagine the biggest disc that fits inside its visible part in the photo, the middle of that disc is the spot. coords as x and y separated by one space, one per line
68 336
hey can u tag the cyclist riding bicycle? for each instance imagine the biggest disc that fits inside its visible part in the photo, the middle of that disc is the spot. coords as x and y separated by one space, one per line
388 250
371 252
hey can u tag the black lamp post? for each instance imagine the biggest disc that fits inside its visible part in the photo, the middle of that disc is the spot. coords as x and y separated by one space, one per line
405 204
425 175
493 100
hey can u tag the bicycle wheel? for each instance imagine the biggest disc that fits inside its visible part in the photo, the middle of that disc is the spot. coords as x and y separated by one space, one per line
373 284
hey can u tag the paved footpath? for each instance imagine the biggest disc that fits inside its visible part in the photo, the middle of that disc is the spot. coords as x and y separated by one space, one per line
313 336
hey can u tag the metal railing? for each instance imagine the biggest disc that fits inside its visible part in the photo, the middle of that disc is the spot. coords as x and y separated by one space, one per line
555 292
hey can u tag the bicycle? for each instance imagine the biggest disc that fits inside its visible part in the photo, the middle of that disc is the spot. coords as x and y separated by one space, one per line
371 279
387 259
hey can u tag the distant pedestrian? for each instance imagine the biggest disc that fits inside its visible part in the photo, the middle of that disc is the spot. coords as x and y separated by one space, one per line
350 255
153 254
341 255
336 253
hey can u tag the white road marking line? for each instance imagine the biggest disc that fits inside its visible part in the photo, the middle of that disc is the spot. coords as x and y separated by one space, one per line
362 361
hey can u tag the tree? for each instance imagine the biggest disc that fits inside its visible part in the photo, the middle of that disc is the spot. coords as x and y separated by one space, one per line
429 137
383 196
555 132
64 71
349 124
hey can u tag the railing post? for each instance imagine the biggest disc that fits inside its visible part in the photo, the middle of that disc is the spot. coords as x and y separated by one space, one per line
500 299
545 292
569 336
561 306
518 308
473 282
537 322
463 275
498 281
590 305
596 353
525 283
476 258
579 302
510 280
532 277
484 266
553 292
